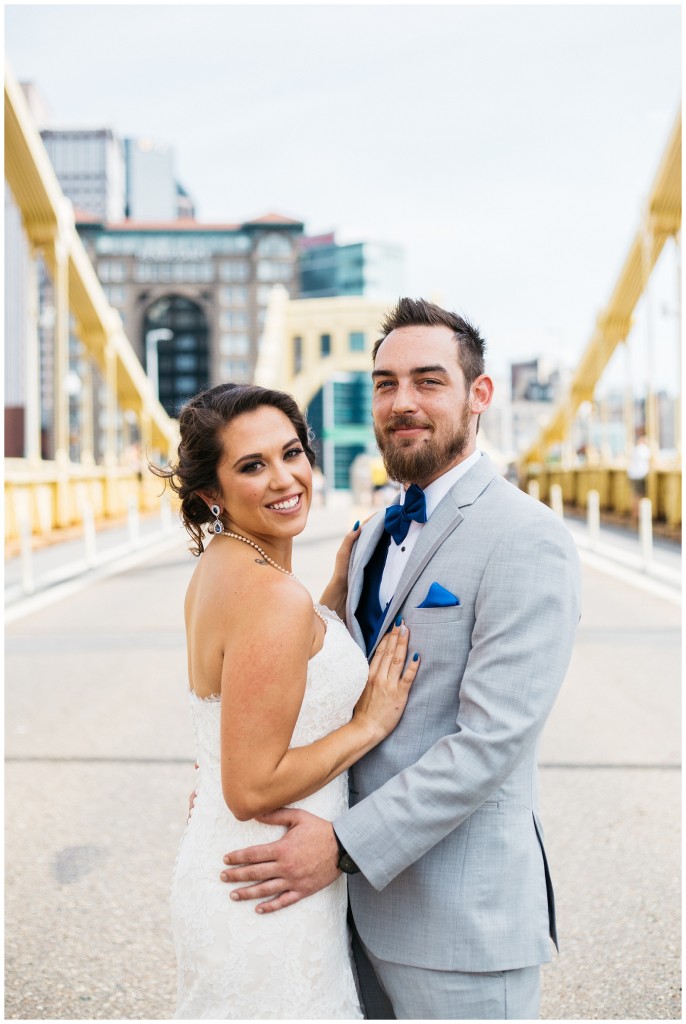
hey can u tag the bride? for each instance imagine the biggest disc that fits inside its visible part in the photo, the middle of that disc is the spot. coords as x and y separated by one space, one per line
283 702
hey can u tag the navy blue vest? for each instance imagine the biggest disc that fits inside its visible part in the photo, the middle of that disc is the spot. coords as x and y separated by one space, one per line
369 612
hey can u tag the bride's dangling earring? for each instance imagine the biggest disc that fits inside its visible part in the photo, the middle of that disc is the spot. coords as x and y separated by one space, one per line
217 526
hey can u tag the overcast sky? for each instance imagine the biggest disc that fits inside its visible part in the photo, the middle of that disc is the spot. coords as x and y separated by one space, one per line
508 149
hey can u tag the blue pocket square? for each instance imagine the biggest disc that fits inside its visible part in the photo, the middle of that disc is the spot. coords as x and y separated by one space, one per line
439 597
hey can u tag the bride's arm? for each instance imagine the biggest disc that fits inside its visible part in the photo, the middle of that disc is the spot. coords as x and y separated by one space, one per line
263 682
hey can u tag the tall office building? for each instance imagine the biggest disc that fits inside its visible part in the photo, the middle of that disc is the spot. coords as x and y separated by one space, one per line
371 269
89 164
112 179
152 191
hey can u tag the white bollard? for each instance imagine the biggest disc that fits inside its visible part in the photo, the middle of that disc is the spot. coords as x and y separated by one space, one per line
645 531
22 512
556 502
134 521
534 489
593 499
89 541
26 542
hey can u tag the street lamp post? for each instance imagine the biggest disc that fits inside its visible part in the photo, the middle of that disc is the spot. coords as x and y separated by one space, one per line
152 339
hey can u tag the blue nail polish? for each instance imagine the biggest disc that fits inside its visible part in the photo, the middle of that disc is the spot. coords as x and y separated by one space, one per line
398 620
356 525
415 657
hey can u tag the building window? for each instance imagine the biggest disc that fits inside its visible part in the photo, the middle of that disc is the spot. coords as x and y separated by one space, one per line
151 272
236 243
274 245
356 341
106 245
236 270
186 385
263 293
166 272
111 270
143 272
186 361
185 341
229 318
236 370
297 355
325 344
233 295
234 345
114 294
270 270
203 272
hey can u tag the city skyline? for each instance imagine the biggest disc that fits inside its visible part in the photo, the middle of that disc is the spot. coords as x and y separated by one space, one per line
526 133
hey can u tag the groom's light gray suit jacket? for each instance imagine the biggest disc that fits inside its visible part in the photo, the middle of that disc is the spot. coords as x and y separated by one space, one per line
444 813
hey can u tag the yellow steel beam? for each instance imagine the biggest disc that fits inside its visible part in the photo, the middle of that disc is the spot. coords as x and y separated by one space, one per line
662 219
28 169
46 216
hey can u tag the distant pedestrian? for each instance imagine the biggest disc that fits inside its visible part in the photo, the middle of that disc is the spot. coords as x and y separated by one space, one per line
637 471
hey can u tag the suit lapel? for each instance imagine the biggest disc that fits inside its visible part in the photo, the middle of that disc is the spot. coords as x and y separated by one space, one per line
444 519
362 552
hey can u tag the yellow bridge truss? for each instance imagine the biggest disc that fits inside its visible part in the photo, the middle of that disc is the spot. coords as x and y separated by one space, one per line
82 307
662 219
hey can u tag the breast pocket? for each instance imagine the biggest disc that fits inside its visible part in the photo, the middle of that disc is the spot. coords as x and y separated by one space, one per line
434 616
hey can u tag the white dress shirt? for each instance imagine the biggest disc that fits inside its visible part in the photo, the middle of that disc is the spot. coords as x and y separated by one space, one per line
398 554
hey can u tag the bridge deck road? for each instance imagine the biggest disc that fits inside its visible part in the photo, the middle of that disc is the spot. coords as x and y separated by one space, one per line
100 765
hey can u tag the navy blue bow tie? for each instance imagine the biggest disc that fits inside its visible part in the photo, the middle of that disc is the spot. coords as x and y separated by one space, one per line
399 517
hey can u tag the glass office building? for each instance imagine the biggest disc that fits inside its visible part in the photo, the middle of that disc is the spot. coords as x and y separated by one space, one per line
371 269
340 415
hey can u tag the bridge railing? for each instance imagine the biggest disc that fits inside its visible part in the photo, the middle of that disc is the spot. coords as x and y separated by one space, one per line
663 487
46 497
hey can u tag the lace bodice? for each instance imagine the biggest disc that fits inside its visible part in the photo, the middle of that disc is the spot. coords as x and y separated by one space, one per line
336 676
234 963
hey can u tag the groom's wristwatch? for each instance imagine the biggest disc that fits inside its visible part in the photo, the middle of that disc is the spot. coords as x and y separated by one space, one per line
345 861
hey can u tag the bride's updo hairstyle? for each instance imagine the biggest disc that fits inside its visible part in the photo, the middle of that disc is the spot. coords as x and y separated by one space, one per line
201 421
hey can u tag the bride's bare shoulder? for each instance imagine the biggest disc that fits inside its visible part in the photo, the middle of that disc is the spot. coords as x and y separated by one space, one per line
241 588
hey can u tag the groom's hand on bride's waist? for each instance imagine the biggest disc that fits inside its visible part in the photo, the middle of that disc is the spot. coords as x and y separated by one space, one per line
304 861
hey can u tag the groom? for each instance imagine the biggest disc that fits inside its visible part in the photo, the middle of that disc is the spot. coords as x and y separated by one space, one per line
449 885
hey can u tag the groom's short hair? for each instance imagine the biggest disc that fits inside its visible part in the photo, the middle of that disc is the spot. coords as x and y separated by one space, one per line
420 313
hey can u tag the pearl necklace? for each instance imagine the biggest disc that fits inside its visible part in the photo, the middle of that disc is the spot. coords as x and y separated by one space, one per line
270 561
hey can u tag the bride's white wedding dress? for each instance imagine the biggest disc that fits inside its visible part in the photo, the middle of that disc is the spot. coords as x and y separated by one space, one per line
293 964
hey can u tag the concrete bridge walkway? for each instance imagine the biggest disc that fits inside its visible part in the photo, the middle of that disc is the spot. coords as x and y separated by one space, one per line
100 763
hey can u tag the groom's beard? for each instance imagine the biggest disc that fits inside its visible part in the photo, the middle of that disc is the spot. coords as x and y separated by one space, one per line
407 462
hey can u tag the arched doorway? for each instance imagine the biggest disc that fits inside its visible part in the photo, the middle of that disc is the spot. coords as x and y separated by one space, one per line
176 348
